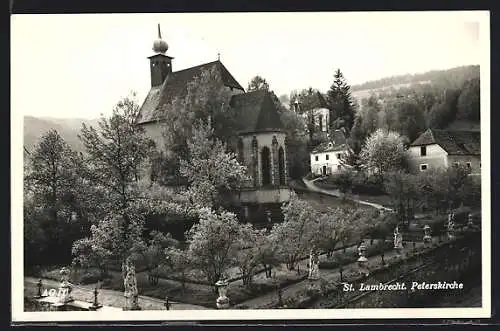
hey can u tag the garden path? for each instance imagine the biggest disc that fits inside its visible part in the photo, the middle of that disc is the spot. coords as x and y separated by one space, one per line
107 297
336 193
329 275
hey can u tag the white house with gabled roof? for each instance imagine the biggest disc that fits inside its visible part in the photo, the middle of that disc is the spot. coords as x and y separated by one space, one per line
326 157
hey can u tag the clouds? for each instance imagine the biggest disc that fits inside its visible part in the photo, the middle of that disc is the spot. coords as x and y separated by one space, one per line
80 65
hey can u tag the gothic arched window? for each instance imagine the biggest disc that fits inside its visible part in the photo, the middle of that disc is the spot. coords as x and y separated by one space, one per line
266 166
240 150
281 166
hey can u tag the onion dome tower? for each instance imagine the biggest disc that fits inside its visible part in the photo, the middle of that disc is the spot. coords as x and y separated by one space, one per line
160 63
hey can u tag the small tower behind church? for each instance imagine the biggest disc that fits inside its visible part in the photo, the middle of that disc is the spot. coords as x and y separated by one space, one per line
160 63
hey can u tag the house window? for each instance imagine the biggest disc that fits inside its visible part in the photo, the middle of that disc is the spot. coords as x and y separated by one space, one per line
327 157
338 156
316 158
423 150
423 167
468 165
339 166
455 164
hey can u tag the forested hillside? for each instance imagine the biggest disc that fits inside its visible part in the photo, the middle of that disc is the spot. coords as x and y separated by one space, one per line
436 99
452 78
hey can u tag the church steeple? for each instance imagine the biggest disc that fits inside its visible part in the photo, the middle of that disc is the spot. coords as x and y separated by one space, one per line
160 63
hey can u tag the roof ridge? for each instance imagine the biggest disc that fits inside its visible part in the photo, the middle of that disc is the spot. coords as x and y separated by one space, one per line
195 67
432 135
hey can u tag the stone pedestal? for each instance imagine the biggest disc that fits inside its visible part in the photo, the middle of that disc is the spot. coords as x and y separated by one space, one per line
131 293
64 292
95 305
222 301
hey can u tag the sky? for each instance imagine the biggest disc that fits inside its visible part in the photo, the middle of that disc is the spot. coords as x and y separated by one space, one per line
80 65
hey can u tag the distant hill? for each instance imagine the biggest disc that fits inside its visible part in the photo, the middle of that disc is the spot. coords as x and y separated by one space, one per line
68 128
452 77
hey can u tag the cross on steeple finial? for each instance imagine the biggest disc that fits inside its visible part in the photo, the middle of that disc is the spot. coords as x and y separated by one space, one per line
218 56
159 31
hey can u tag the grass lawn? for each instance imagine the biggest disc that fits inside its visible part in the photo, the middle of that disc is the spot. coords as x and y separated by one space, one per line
322 202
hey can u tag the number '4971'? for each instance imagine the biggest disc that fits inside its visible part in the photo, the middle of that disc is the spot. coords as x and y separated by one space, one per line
53 292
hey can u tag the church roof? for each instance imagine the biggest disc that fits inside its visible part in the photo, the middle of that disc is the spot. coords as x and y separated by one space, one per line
453 142
256 112
175 85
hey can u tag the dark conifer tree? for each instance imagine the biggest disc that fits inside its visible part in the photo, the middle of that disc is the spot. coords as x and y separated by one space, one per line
340 103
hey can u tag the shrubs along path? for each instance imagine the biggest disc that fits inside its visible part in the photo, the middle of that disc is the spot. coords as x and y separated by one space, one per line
293 291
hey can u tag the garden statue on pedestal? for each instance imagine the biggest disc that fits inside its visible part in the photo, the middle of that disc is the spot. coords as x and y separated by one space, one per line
451 226
313 265
222 301
64 294
131 293
470 222
362 260
398 240
427 234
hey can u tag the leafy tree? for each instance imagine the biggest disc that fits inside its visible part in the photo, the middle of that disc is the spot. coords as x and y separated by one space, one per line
344 181
206 99
409 120
340 103
258 83
211 171
383 152
266 251
403 189
294 233
116 153
296 143
51 187
330 230
213 243
444 189
154 253
351 159
369 115
115 156
35 242
179 263
469 100
248 253
86 255
444 111
348 229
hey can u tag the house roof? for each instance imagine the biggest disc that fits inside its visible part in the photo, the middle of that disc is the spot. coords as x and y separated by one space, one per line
337 142
256 112
453 142
175 85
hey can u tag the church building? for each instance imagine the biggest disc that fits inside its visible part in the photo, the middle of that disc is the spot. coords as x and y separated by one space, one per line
261 136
